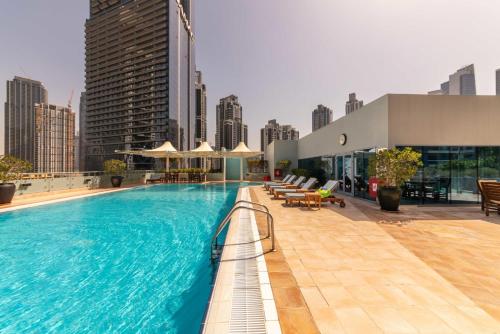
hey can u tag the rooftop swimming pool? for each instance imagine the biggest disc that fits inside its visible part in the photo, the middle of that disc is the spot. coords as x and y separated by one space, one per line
126 262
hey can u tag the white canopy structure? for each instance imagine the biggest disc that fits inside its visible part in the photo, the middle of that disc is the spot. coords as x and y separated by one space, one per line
166 150
241 151
203 151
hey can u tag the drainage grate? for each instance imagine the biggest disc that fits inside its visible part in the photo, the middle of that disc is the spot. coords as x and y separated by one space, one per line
247 313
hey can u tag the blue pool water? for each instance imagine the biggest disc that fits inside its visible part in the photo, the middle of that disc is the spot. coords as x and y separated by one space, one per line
128 262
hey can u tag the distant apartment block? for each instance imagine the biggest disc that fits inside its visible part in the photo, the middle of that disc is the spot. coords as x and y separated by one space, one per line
22 95
321 116
462 82
274 131
353 104
498 81
201 110
54 139
76 152
82 138
230 130
140 75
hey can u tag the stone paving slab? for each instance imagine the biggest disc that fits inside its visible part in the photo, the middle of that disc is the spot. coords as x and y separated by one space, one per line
363 271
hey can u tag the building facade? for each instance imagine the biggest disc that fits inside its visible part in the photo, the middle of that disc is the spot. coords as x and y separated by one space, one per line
201 110
321 116
353 104
230 130
462 82
457 136
22 96
274 131
497 79
82 139
54 139
140 75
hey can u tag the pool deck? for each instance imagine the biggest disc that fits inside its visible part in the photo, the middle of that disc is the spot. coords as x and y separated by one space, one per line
35 199
360 270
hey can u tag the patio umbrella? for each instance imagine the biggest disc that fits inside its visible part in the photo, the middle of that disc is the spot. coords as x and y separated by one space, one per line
166 150
241 151
203 151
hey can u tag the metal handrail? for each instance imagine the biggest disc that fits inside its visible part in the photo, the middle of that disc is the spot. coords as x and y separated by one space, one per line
227 219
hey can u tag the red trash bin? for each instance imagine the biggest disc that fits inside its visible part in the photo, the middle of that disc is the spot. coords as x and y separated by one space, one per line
373 187
277 172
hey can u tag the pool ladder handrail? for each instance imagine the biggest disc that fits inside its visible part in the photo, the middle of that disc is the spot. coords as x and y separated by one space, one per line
237 206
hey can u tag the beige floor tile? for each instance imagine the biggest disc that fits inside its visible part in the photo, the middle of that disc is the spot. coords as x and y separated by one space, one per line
355 320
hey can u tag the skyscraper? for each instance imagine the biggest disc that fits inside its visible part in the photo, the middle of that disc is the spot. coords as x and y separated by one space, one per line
321 116
54 139
462 82
274 131
229 122
498 81
82 138
139 78
353 104
22 95
201 110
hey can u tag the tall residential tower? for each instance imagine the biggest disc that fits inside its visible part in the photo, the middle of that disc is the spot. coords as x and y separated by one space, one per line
321 116
201 110
274 131
462 82
353 104
22 96
140 75
54 139
230 128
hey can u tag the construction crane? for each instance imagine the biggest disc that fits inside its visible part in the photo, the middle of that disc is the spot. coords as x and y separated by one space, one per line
70 101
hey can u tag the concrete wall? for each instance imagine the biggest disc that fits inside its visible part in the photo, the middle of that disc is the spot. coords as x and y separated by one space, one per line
425 120
281 150
365 128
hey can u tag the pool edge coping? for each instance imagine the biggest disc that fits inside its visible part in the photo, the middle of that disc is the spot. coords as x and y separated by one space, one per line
218 315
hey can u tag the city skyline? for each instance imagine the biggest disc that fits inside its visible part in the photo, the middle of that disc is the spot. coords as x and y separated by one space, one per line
266 74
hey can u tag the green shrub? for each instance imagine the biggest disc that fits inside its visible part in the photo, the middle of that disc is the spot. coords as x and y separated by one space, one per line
114 166
11 168
394 167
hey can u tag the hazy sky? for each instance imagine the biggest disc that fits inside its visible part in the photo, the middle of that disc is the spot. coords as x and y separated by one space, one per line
281 57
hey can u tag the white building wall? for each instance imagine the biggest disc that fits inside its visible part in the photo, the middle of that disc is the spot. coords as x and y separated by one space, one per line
366 129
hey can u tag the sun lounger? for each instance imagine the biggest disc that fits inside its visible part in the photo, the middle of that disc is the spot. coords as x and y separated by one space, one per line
296 184
154 178
490 191
307 186
286 180
301 197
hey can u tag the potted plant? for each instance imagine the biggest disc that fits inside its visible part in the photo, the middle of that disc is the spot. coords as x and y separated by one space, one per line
115 168
11 169
392 168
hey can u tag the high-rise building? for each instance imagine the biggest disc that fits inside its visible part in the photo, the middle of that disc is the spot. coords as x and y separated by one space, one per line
353 104
274 131
82 138
321 116
76 151
498 81
230 129
201 110
54 138
462 82
22 95
139 78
